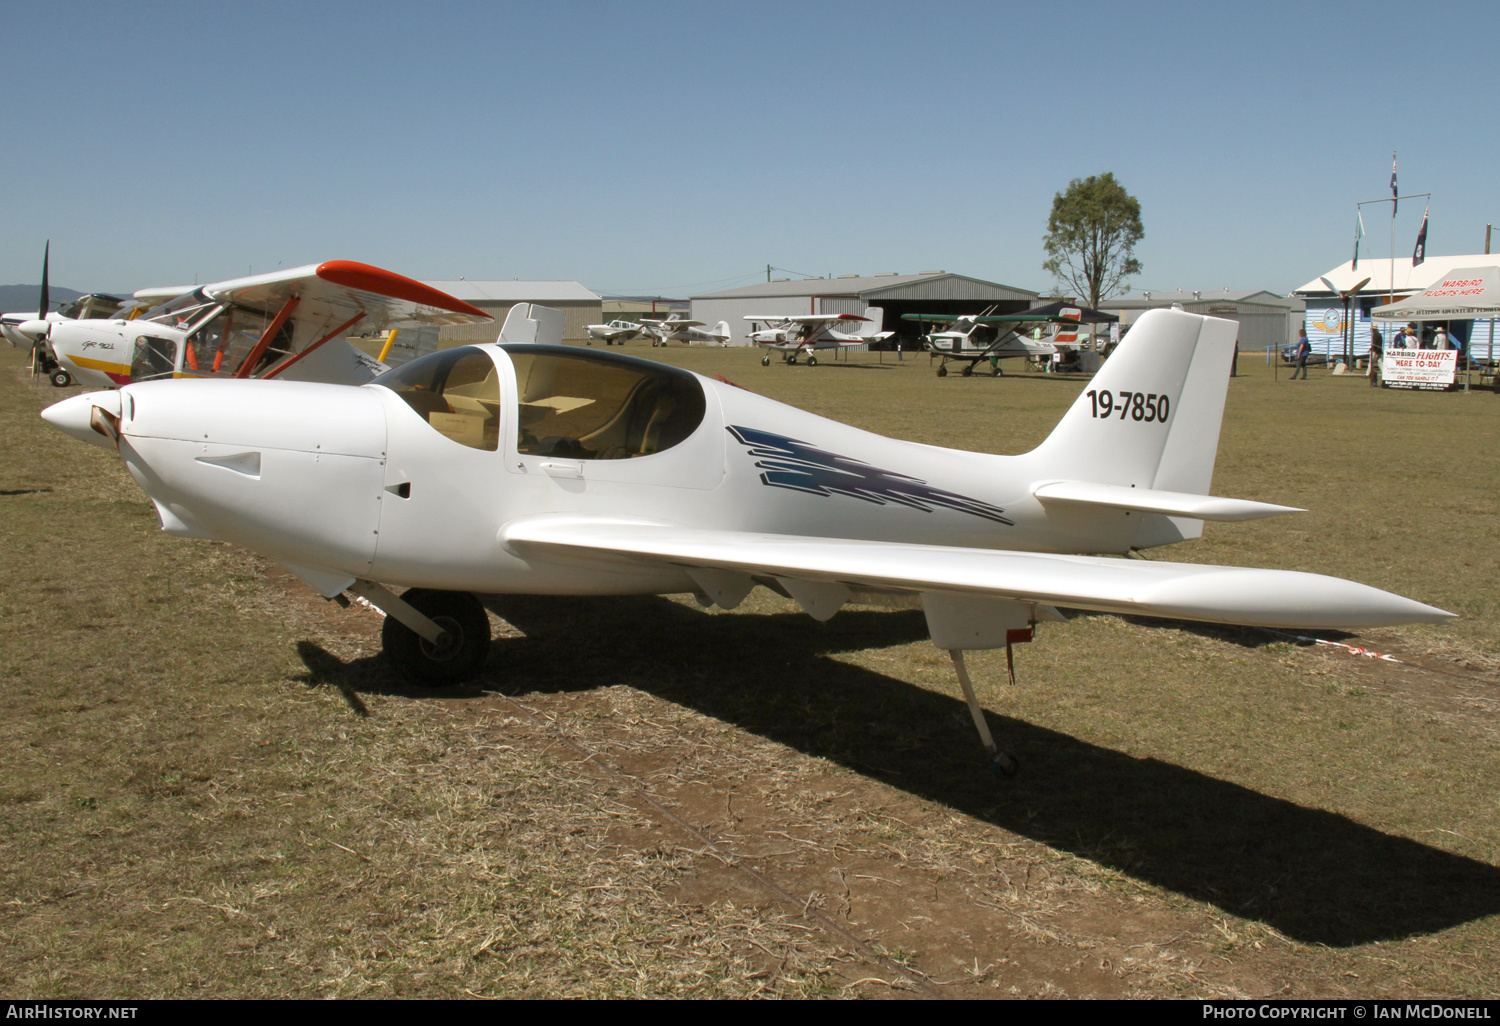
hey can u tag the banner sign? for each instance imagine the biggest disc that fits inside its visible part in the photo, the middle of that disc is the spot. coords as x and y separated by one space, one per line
1420 368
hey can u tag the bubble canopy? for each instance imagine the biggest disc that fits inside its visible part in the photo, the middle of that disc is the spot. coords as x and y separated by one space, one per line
572 404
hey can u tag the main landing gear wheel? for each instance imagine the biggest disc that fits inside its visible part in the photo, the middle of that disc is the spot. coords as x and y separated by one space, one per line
995 371
812 361
791 359
61 379
460 655
968 371
942 370
765 361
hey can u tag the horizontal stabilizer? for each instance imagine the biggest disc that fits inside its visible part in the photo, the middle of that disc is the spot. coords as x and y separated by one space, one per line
1152 500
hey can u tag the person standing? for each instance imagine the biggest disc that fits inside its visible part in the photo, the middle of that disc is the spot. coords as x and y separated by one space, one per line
1303 351
1377 352
1441 340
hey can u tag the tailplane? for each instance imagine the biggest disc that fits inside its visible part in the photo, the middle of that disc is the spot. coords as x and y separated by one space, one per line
1144 435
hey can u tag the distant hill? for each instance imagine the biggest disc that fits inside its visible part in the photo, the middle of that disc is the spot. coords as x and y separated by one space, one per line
16 298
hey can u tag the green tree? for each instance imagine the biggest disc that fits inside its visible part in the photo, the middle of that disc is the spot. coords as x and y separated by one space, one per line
1091 237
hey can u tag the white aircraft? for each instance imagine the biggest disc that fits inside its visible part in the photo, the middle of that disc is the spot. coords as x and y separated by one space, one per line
268 325
973 338
551 470
808 333
675 330
25 331
615 331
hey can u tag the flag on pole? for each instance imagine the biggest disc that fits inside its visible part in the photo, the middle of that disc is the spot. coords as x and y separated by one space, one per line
1393 183
1420 253
1359 233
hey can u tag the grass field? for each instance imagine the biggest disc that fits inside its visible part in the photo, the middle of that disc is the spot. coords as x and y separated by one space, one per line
212 786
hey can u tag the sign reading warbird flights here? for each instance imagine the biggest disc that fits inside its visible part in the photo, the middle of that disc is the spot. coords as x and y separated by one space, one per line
1421 368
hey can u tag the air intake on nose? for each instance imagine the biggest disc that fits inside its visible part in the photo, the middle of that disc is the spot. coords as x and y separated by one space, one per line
247 463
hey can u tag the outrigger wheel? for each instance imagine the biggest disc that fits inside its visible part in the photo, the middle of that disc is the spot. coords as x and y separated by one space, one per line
461 653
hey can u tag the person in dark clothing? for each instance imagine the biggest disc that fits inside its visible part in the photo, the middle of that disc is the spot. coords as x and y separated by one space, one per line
1303 351
1377 351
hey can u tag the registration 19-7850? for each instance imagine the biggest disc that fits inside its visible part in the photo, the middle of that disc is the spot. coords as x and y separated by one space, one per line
1143 406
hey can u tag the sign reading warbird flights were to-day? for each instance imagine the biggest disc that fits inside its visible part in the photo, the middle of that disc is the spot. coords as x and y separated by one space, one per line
1420 368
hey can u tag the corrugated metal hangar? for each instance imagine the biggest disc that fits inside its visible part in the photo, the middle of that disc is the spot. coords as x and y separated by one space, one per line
932 292
1265 318
579 306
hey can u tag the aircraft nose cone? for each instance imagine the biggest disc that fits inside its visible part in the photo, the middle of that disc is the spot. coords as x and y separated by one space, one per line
34 330
76 416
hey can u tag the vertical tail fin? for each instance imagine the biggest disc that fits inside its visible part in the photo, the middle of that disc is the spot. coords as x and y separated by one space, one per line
1150 418
871 327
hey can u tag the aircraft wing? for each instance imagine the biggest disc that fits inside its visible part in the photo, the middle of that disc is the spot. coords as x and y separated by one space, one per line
673 324
1187 591
336 290
806 318
1019 318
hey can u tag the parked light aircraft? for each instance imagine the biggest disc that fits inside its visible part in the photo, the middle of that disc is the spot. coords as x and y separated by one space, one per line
268 325
533 470
807 333
674 330
615 331
25 331
973 338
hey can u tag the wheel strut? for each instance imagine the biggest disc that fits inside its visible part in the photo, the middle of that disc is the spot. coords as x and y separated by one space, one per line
1001 763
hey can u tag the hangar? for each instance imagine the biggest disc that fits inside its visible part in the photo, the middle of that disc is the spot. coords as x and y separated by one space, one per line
929 292
1266 320
579 306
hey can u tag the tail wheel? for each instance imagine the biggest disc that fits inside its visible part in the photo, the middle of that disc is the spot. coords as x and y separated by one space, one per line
61 378
461 654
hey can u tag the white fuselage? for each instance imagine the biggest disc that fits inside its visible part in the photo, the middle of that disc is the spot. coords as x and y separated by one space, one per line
353 481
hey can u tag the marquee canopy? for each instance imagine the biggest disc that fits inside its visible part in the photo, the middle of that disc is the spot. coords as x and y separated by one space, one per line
1463 294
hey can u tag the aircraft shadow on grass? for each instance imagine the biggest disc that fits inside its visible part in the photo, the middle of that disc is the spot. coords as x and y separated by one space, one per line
1315 876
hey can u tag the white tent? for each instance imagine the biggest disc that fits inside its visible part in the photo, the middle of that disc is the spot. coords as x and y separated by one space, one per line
1464 294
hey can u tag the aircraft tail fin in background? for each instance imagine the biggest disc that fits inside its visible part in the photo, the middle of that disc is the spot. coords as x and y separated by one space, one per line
870 327
1150 418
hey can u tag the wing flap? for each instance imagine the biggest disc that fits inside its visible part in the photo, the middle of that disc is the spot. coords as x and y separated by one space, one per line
1187 591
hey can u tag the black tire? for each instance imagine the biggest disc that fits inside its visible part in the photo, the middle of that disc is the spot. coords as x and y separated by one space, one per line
812 361
418 660
942 370
61 378
765 361
995 371
968 370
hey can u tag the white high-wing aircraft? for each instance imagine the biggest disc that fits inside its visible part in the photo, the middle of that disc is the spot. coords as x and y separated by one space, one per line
973 338
674 330
615 331
807 333
532 470
25 331
269 325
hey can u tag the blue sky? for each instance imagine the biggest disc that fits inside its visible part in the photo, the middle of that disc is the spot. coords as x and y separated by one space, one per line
676 148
